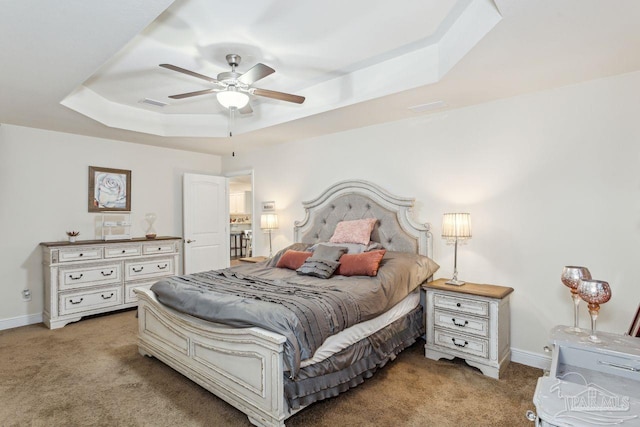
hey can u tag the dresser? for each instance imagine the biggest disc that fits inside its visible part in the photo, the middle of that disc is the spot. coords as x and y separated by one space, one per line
470 322
96 276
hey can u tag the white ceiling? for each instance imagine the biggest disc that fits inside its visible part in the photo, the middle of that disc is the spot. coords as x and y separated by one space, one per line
83 67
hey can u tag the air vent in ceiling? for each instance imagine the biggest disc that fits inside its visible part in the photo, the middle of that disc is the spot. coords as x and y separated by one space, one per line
153 102
428 107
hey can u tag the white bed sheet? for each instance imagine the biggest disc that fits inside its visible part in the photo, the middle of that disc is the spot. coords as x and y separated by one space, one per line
355 333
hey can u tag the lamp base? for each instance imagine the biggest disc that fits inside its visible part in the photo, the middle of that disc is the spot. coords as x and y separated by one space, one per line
455 282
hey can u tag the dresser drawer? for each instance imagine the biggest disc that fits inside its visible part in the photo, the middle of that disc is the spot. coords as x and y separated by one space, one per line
122 251
83 276
462 343
463 305
78 302
131 296
461 322
80 254
158 248
150 268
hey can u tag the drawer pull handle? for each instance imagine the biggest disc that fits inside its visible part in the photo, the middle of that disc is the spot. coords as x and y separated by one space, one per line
107 274
162 267
109 297
80 254
459 345
159 249
458 304
124 251
615 365
137 271
75 278
76 302
462 325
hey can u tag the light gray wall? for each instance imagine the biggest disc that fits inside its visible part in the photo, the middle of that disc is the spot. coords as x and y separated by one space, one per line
43 193
550 179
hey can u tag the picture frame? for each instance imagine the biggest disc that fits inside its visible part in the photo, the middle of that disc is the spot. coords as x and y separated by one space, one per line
109 190
269 206
634 328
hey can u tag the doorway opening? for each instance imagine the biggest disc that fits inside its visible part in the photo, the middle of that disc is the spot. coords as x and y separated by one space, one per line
241 215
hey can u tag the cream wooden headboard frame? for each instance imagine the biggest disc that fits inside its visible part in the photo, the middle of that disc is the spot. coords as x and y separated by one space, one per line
355 199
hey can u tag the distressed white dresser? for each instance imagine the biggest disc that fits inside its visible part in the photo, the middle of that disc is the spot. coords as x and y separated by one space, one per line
95 276
470 322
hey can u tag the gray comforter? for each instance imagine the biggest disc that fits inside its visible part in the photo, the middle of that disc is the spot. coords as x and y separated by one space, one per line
306 310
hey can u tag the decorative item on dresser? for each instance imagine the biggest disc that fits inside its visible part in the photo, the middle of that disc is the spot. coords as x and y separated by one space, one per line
571 276
470 321
594 293
96 276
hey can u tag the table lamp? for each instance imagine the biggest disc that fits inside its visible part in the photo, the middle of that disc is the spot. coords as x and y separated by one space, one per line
456 227
268 222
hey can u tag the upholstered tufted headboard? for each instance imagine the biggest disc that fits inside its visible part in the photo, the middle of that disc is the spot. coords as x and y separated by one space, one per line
354 199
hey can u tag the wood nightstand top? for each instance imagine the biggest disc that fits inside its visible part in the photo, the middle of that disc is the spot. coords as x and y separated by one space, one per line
489 291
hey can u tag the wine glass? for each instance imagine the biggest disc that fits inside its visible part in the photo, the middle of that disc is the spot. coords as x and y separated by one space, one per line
571 276
594 293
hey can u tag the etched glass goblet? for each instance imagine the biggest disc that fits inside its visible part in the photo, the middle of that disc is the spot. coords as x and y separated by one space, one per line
571 276
594 293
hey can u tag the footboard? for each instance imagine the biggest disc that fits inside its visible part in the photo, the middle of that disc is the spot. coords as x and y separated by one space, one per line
244 366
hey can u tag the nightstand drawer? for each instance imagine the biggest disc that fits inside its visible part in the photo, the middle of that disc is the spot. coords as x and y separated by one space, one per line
461 322
462 343
80 254
147 269
85 301
122 251
83 276
464 305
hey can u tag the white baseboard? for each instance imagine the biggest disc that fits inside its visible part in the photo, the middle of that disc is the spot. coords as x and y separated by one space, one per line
528 358
15 322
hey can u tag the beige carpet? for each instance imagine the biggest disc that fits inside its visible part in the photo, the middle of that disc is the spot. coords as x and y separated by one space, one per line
90 374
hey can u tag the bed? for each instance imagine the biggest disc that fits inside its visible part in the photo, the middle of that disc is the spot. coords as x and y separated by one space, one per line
259 370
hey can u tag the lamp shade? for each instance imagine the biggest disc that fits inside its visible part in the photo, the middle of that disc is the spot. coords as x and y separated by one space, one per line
232 98
456 225
269 221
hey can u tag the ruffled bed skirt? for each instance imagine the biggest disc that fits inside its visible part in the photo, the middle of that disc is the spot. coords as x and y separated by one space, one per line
351 366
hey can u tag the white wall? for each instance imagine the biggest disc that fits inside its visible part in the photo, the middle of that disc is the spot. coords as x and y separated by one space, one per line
43 193
550 179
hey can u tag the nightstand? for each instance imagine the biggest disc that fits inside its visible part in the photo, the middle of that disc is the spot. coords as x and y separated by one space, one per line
470 322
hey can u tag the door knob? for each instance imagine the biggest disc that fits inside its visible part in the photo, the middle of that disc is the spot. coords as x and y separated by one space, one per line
190 241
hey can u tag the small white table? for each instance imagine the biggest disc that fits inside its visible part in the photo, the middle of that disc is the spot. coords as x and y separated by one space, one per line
590 384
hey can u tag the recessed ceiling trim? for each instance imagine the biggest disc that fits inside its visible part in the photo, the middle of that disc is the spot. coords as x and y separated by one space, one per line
420 67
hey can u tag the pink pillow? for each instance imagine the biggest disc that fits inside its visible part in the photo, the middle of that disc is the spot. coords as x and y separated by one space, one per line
293 259
357 231
364 264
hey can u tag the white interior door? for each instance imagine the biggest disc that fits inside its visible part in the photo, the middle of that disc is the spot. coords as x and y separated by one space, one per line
205 222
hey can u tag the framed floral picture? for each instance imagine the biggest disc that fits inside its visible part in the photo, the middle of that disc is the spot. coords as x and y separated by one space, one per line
109 190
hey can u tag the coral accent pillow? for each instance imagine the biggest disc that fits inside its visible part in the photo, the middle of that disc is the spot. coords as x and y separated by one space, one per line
357 231
364 264
293 259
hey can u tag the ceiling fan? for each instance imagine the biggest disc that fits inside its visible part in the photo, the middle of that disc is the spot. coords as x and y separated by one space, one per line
232 89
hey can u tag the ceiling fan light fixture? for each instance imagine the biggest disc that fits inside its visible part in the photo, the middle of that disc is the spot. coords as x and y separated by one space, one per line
232 99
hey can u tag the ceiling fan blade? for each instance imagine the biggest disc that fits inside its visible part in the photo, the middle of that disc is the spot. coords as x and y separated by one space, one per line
196 93
255 73
277 95
189 72
246 109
